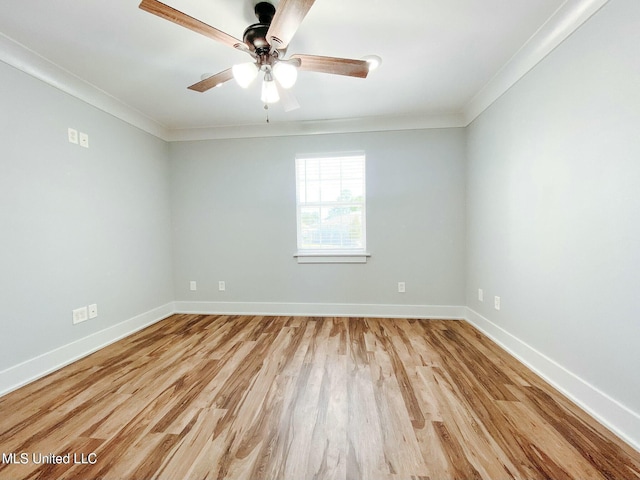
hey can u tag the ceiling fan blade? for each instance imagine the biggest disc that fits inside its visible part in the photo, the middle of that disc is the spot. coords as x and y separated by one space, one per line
288 100
184 20
285 23
333 65
212 81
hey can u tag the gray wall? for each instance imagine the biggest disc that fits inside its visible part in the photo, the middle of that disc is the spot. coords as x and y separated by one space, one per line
77 226
553 218
235 220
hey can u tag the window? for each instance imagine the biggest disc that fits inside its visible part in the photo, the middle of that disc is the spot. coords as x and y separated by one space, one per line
330 199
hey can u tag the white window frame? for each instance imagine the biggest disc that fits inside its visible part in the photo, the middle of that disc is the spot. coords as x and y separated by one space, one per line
336 255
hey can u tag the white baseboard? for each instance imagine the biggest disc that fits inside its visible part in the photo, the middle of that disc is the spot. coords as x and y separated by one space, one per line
620 419
323 309
26 372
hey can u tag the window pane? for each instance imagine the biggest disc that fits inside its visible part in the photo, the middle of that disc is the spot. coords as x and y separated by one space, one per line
341 227
351 189
331 203
309 223
330 192
313 191
312 168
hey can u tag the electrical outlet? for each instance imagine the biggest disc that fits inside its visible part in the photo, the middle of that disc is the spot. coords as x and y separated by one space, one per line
222 286
93 310
73 135
481 295
401 287
84 140
193 286
496 303
80 315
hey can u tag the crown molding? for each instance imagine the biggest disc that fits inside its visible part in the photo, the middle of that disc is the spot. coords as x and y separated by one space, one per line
570 16
567 19
320 127
22 58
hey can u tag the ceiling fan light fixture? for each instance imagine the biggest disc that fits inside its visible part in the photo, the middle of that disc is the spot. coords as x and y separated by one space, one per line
245 73
374 61
286 74
269 90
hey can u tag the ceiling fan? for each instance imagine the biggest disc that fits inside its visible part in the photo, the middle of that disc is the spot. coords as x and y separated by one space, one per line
266 42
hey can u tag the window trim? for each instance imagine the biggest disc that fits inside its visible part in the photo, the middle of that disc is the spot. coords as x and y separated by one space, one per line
332 257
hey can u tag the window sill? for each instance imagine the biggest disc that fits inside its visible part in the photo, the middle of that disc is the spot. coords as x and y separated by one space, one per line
332 257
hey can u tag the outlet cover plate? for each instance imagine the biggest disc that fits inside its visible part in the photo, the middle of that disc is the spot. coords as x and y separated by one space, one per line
73 135
80 315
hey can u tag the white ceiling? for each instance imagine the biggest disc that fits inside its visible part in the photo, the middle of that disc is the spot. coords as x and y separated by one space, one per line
437 54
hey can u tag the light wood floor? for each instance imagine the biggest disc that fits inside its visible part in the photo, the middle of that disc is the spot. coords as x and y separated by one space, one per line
249 397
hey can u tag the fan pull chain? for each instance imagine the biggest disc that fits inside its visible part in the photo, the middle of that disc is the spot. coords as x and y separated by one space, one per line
266 107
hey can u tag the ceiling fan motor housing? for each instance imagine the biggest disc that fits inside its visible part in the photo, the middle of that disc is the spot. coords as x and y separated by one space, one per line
255 36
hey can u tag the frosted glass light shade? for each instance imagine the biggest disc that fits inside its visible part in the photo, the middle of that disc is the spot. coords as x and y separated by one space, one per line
286 74
245 73
269 91
374 61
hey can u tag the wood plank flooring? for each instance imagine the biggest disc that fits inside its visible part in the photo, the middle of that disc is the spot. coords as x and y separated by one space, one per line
252 397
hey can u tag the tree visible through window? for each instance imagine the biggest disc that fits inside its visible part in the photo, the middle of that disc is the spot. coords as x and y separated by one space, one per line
331 203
